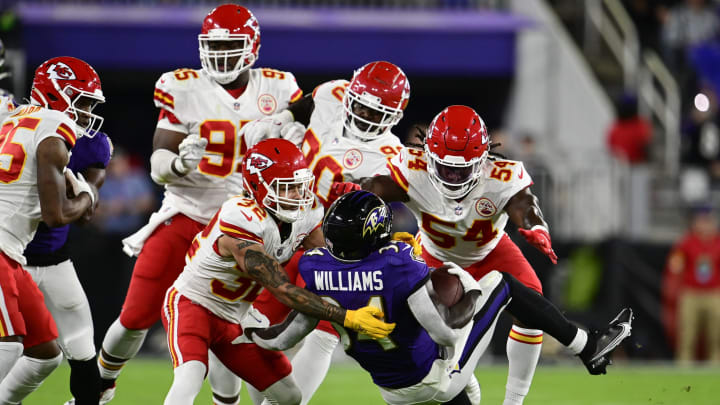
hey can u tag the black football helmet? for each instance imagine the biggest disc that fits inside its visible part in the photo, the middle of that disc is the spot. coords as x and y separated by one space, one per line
357 224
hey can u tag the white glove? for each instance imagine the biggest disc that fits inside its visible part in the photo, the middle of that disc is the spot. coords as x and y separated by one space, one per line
467 281
79 185
253 319
293 132
268 127
191 151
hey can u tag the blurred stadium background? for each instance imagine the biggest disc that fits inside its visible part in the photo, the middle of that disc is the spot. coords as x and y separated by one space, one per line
550 78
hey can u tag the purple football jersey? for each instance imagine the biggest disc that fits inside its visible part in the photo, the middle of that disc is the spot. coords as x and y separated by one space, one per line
386 278
87 152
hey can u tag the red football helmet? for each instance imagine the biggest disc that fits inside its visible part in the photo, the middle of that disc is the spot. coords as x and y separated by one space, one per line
229 42
71 86
457 144
275 173
375 99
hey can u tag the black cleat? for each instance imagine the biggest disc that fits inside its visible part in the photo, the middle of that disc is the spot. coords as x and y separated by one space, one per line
606 341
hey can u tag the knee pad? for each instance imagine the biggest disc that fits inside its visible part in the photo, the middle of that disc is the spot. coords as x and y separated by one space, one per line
121 342
491 281
79 345
10 352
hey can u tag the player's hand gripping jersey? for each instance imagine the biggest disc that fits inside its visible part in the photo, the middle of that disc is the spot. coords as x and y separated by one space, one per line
214 281
333 157
193 103
462 232
384 279
20 135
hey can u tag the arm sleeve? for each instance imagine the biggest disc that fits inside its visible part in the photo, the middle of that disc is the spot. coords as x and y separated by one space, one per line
429 318
284 335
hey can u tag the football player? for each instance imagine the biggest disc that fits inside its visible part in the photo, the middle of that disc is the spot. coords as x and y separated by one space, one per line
49 264
35 141
462 198
349 137
432 353
232 259
195 147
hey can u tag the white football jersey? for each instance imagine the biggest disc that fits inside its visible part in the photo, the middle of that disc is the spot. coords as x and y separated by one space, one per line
215 282
20 136
461 232
333 157
198 105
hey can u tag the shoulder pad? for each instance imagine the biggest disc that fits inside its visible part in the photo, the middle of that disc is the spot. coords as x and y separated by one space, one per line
242 218
333 90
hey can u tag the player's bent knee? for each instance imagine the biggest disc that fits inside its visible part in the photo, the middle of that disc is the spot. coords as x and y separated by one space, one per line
187 383
284 392
491 281
122 342
224 382
79 346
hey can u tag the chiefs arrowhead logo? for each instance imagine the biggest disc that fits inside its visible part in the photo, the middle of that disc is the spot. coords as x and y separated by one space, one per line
484 137
61 71
256 163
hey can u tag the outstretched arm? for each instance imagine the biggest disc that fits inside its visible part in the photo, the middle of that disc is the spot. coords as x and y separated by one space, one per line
56 208
385 188
253 260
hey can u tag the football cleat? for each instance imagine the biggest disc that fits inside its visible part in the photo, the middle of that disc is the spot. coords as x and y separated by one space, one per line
606 340
107 395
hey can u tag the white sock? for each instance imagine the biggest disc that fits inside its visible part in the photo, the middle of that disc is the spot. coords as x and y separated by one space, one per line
25 377
312 361
472 389
121 343
224 383
10 352
579 342
523 351
186 384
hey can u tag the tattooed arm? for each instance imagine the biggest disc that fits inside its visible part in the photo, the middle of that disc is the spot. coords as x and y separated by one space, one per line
252 259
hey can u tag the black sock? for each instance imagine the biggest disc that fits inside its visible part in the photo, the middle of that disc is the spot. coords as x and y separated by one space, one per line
537 312
106 383
85 381
460 399
589 348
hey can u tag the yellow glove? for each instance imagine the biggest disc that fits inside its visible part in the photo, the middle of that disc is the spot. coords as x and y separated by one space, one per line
410 240
367 320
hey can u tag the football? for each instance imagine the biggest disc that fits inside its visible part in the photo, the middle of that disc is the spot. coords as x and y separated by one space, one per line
447 286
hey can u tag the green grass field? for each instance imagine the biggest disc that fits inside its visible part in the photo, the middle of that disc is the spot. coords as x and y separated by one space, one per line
147 381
